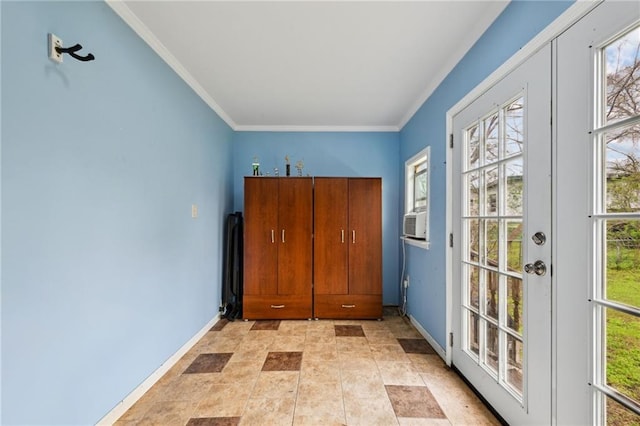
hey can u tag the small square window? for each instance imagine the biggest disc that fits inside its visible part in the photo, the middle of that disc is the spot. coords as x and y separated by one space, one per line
417 186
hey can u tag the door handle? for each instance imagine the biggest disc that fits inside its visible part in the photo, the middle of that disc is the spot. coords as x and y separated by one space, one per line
342 236
353 236
273 237
283 235
539 268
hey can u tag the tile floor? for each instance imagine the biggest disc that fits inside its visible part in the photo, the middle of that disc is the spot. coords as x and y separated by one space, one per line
310 373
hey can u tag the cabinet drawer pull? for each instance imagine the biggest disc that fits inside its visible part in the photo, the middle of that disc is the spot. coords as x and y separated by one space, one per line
273 237
342 236
277 306
283 235
353 236
349 306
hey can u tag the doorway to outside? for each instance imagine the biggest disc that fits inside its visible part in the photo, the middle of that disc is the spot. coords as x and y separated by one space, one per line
597 239
553 342
502 243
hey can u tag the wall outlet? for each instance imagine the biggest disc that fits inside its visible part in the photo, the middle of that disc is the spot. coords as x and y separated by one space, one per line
54 41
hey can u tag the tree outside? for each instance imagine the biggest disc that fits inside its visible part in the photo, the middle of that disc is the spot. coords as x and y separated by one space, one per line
622 195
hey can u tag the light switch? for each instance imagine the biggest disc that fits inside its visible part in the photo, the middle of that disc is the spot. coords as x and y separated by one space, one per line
194 211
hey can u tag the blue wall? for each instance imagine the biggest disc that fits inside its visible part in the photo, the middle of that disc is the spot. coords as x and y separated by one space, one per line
333 154
104 272
516 25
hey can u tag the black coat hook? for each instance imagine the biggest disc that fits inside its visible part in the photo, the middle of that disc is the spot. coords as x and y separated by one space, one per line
72 51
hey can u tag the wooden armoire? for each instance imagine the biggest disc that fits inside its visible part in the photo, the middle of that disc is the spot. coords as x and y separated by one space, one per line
278 248
347 247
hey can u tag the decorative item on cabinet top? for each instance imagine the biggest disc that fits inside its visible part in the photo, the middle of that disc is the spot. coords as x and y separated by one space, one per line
255 168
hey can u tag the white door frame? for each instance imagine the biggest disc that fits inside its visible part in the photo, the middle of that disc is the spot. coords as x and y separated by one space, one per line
560 24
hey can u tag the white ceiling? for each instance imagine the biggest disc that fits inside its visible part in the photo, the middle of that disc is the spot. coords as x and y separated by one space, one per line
301 65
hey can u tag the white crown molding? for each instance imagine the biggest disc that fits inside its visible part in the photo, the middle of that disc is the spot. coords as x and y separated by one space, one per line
130 18
568 17
379 129
553 30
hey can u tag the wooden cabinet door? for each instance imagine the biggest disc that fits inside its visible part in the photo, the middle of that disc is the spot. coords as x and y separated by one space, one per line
260 239
295 217
365 236
331 239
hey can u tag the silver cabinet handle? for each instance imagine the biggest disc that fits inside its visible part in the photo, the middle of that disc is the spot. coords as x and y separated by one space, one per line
342 236
273 237
283 235
277 306
353 236
349 306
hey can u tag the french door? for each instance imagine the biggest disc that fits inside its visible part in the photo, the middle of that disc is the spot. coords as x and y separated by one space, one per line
501 294
597 242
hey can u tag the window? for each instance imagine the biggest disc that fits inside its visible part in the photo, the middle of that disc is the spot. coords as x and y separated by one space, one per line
417 185
616 224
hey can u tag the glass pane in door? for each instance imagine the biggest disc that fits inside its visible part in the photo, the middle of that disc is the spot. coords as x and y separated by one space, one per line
621 77
623 353
514 304
622 280
514 363
622 157
514 128
493 234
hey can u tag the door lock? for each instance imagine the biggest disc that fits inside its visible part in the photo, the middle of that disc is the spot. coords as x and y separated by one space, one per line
538 268
539 238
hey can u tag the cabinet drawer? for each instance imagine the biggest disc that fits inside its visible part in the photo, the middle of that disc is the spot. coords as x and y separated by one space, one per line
276 307
348 306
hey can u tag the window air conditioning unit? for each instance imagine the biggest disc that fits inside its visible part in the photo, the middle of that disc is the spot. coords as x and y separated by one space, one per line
415 225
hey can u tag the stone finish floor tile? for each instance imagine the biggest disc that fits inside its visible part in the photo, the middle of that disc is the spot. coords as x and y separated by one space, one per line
168 413
276 384
219 325
208 363
270 411
399 373
416 346
288 343
414 401
321 400
188 387
241 371
459 404
283 361
369 411
214 421
321 372
227 400
349 330
266 325
362 384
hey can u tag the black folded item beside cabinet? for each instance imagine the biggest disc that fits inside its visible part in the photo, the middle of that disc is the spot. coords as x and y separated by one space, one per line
232 286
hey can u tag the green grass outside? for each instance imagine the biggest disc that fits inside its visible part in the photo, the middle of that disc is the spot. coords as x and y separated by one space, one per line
623 333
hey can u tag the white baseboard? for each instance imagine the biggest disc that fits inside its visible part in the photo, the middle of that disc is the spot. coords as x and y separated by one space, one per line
122 407
439 349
